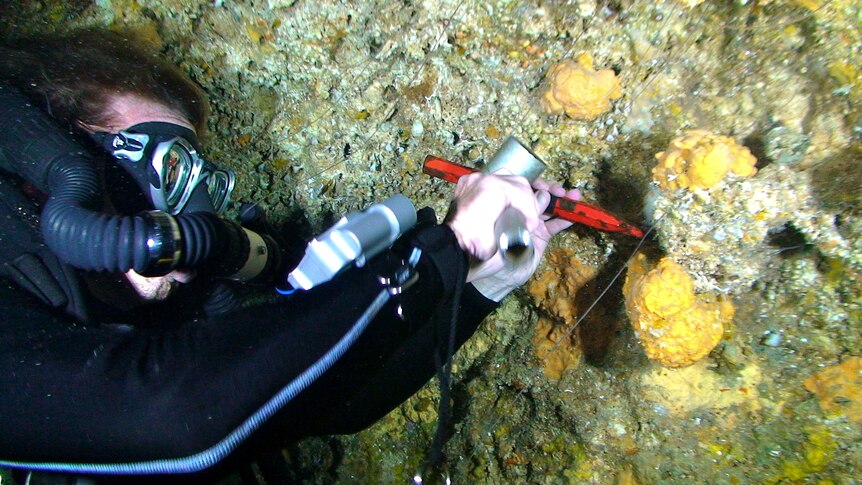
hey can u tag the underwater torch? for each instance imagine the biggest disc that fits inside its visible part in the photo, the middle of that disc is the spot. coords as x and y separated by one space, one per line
510 230
357 237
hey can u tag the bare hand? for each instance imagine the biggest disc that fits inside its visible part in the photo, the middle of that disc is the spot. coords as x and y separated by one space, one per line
158 288
478 203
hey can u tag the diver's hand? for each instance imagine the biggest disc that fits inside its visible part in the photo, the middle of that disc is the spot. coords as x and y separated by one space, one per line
491 275
479 200
554 225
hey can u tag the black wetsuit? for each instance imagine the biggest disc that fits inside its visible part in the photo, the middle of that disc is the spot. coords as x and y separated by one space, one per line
96 387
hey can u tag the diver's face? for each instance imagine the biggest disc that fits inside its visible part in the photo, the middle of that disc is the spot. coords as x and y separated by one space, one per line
158 147
126 110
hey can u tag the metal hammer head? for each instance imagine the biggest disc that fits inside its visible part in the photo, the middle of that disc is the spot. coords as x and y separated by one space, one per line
513 158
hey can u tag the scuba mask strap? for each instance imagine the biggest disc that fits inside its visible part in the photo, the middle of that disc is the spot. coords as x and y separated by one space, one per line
164 130
132 143
124 145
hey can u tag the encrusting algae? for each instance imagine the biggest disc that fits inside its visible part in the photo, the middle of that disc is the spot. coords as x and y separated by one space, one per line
700 159
555 347
578 90
698 388
676 326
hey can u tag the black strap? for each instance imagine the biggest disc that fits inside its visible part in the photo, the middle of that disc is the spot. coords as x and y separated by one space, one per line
445 321
444 370
31 273
27 262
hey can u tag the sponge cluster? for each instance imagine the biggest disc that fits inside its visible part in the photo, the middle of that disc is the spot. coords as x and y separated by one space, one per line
676 326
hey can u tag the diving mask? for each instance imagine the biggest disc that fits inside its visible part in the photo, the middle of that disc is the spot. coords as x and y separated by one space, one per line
163 159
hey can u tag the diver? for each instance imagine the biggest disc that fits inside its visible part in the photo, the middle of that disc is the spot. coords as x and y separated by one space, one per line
127 347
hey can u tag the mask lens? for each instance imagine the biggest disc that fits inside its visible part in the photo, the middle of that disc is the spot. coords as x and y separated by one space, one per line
177 168
220 184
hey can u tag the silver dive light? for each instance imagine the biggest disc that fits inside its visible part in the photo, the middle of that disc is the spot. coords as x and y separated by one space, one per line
357 237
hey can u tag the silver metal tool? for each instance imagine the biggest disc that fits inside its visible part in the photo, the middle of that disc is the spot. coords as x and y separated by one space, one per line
513 239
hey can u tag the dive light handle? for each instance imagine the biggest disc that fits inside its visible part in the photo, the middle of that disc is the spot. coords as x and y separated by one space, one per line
514 241
356 238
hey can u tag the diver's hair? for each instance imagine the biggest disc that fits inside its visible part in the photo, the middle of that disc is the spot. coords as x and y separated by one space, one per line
73 75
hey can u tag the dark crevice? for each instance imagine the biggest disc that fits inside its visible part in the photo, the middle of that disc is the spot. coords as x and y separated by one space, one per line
788 241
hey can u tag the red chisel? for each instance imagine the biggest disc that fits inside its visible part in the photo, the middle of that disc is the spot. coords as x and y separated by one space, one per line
562 207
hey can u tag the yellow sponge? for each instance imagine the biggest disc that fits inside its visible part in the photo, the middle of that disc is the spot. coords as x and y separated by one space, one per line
676 326
700 159
578 90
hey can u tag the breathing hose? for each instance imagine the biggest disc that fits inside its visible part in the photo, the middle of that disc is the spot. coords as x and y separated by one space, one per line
152 243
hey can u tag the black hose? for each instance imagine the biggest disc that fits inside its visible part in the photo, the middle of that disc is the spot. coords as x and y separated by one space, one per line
84 237
34 147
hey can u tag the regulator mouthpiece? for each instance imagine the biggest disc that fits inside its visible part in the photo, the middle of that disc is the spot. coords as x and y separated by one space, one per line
357 237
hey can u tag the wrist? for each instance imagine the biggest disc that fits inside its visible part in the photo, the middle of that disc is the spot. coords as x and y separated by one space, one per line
459 236
492 289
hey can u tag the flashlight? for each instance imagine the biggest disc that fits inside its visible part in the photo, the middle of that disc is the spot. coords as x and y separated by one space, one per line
571 210
357 237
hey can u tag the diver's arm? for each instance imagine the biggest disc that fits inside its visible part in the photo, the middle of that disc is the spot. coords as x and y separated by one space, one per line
119 394
368 394
409 367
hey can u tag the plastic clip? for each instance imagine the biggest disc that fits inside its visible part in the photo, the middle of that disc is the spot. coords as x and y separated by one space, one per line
402 276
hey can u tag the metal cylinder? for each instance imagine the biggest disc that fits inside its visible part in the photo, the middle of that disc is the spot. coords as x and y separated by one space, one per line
513 158
513 239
